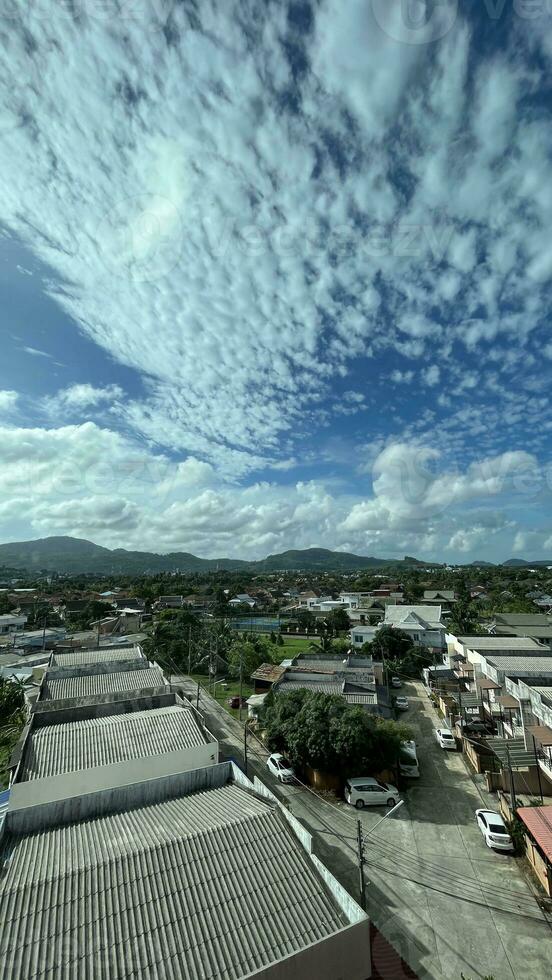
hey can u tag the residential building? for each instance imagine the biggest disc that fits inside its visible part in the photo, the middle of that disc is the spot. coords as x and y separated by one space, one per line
77 750
422 624
12 624
200 873
537 626
442 596
243 599
361 634
169 602
99 679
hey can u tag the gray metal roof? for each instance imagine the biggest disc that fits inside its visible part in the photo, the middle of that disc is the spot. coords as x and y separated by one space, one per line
522 665
75 658
498 643
327 687
122 680
212 885
103 741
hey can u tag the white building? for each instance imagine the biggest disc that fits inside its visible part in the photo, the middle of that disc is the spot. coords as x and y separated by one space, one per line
362 634
12 624
422 624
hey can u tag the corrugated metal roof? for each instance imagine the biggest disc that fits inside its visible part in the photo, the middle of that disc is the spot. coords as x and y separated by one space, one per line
103 741
512 751
498 643
212 885
524 665
98 656
327 687
538 821
122 680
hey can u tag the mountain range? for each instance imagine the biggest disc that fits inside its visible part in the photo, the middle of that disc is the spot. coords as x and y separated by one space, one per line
78 556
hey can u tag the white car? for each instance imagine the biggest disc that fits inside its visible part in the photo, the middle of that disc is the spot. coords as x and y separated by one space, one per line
445 738
366 791
494 830
280 767
396 681
401 704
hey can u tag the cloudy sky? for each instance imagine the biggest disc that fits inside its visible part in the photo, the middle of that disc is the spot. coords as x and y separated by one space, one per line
277 274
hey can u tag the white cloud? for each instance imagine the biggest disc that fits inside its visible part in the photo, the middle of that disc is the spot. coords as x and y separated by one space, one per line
8 400
432 375
78 397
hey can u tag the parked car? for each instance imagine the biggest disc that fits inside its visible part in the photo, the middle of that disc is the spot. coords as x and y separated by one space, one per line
396 682
234 702
494 830
408 760
366 791
401 703
280 767
445 738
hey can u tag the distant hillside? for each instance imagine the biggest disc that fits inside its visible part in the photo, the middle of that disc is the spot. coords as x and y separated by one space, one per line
76 555
521 563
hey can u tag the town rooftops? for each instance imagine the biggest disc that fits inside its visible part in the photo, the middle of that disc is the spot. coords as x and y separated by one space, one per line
268 672
92 742
86 685
497 643
214 884
541 666
99 655
523 619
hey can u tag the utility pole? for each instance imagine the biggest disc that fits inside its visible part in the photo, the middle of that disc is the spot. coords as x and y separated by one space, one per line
538 767
245 747
461 712
512 786
189 650
361 879
197 698
241 683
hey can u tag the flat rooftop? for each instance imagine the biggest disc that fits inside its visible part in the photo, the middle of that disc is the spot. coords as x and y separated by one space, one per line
213 885
85 685
92 742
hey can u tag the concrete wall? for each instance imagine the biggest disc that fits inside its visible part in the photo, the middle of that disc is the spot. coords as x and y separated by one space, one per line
343 956
29 819
106 667
70 710
36 792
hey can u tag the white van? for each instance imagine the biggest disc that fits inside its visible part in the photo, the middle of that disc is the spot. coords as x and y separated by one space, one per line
367 791
408 760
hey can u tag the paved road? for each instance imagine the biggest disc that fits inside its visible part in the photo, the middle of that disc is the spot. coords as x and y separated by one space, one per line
444 900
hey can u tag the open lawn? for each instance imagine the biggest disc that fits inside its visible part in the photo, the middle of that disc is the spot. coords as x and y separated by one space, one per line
224 690
296 644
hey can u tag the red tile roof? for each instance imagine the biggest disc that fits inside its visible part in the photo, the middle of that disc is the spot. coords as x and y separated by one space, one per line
538 820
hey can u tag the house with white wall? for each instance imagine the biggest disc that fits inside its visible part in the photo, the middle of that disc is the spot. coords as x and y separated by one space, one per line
422 624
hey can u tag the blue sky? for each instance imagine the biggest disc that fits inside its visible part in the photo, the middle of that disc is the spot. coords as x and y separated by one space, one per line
277 275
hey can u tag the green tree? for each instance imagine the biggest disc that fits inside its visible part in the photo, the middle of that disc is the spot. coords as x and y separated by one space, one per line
5 605
338 620
12 699
389 643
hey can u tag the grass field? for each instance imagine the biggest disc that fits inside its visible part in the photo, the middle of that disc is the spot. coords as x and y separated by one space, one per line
296 644
224 690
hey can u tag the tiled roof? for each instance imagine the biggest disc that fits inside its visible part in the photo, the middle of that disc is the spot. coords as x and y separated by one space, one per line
122 680
93 742
424 616
75 658
213 885
538 821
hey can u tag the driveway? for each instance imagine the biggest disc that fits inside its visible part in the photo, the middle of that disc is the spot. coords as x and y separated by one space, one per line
446 902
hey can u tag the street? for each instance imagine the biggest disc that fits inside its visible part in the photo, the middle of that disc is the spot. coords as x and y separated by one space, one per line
447 903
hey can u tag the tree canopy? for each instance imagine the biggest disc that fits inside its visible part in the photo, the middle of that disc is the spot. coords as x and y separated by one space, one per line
324 732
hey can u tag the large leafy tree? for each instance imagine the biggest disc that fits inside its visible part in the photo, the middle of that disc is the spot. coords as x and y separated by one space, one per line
323 732
390 643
